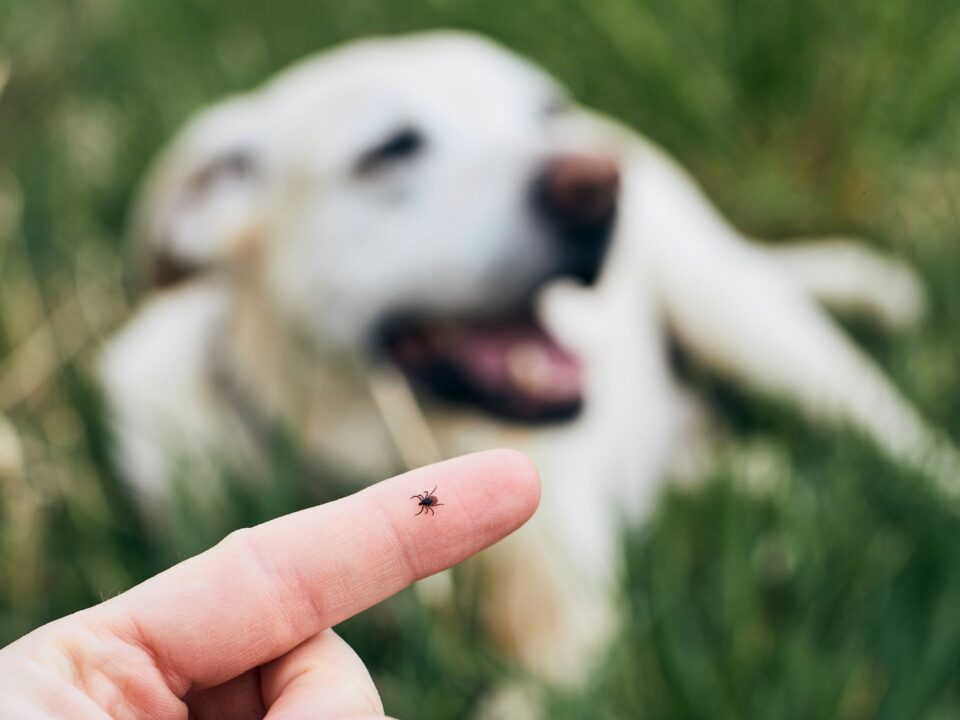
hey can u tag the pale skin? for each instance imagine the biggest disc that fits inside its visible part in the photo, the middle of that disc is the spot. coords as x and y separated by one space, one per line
242 631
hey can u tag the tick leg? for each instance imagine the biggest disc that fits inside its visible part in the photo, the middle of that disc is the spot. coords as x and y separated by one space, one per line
421 509
416 496
434 489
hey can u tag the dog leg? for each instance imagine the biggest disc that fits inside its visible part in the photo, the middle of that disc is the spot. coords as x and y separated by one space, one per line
850 278
547 609
555 579
735 307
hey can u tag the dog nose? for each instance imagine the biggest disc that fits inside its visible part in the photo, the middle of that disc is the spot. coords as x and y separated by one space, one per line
579 192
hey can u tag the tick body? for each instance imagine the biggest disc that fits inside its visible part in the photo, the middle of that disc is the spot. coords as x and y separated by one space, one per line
428 501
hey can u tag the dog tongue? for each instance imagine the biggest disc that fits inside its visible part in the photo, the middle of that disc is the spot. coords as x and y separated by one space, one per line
522 360
515 367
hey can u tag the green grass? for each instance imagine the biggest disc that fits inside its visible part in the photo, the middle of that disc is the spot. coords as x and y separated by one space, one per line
820 583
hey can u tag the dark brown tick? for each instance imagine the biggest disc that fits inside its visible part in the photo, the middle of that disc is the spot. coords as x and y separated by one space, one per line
428 501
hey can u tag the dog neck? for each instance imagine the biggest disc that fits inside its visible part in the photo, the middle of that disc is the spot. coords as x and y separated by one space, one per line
271 377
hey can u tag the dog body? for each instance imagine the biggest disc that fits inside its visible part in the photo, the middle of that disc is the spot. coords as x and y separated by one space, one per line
375 250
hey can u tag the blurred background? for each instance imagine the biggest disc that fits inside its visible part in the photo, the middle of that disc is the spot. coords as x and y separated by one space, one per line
812 581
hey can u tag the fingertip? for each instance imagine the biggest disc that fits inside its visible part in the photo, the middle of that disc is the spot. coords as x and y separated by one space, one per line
492 493
503 482
520 473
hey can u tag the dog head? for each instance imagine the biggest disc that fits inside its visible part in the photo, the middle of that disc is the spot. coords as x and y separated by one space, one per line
405 198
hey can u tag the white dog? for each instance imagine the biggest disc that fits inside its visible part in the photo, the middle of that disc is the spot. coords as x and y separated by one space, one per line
413 248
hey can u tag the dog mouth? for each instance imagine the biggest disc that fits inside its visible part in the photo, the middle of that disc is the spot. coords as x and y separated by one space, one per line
510 367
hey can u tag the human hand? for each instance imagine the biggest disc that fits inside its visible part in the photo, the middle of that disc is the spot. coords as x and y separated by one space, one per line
243 630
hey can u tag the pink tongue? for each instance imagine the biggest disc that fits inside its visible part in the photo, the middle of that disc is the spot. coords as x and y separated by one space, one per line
518 359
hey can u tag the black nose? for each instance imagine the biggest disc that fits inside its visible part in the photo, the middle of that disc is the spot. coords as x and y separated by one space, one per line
579 193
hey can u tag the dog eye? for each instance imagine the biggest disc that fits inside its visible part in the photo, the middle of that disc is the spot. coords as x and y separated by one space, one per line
557 105
402 145
235 164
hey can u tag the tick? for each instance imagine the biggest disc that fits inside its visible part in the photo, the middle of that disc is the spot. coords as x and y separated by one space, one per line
428 501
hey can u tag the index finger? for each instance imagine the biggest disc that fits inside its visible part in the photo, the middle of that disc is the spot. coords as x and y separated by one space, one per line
262 591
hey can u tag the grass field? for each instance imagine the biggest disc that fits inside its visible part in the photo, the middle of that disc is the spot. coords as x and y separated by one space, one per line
820 583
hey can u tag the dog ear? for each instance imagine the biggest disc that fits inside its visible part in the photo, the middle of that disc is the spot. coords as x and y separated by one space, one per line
201 203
